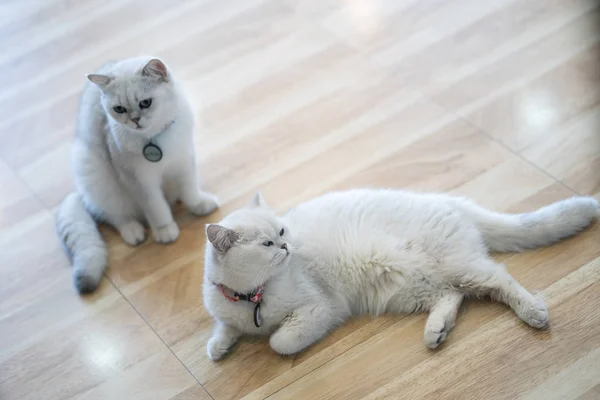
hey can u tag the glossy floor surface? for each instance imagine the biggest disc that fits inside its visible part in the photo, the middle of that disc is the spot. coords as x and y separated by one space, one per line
497 100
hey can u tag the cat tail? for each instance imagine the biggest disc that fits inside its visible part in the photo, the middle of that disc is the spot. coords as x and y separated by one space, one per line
516 232
81 239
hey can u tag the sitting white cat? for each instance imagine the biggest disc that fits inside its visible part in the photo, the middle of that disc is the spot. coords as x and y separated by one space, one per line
133 157
363 251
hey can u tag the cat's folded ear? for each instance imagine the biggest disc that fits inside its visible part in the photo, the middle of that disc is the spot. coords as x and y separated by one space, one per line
258 201
101 81
221 238
155 69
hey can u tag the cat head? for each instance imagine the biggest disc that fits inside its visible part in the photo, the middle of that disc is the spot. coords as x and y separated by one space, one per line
247 248
138 94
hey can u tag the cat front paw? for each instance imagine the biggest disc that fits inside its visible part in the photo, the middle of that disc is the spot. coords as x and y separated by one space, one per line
435 334
206 204
166 234
217 348
133 233
534 313
283 343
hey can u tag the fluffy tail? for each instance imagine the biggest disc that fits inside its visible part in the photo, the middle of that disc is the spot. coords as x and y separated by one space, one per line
79 235
515 232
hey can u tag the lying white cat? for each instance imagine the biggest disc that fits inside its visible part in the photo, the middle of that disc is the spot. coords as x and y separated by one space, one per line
369 252
133 157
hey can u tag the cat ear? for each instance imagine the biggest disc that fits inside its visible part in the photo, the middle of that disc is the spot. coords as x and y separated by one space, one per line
258 201
155 69
100 80
221 238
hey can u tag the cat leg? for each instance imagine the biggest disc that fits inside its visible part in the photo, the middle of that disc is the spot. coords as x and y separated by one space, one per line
303 327
107 200
442 318
492 279
223 338
198 202
158 212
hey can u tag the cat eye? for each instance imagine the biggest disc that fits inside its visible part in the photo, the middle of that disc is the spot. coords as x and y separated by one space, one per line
281 232
145 103
119 109
267 244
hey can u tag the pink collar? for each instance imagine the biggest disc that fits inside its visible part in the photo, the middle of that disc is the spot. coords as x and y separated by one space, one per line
254 296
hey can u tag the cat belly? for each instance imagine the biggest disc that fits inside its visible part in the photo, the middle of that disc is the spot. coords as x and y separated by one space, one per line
390 289
399 275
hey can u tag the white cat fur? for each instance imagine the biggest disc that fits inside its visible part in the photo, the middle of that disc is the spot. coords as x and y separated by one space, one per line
371 252
115 184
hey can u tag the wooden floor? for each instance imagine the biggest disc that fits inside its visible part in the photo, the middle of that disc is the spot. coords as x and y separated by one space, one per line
498 100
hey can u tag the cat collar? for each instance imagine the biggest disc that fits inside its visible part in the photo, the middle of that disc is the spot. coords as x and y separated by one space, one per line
254 296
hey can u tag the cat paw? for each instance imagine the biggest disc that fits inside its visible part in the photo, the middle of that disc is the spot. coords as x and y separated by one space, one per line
133 233
166 234
216 348
205 206
534 313
283 344
435 334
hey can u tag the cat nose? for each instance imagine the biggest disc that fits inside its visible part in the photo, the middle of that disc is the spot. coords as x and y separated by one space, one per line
136 120
284 246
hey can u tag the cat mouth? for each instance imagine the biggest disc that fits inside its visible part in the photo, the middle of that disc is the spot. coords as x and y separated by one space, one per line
139 128
279 258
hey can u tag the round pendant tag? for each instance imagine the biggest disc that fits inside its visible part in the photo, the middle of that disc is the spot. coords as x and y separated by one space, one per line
152 152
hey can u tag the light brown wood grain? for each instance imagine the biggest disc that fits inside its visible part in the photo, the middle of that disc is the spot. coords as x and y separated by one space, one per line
495 100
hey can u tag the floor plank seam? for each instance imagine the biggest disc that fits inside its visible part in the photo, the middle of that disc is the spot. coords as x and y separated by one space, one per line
322 365
504 146
27 185
496 102
390 74
159 337
45 207
403 318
